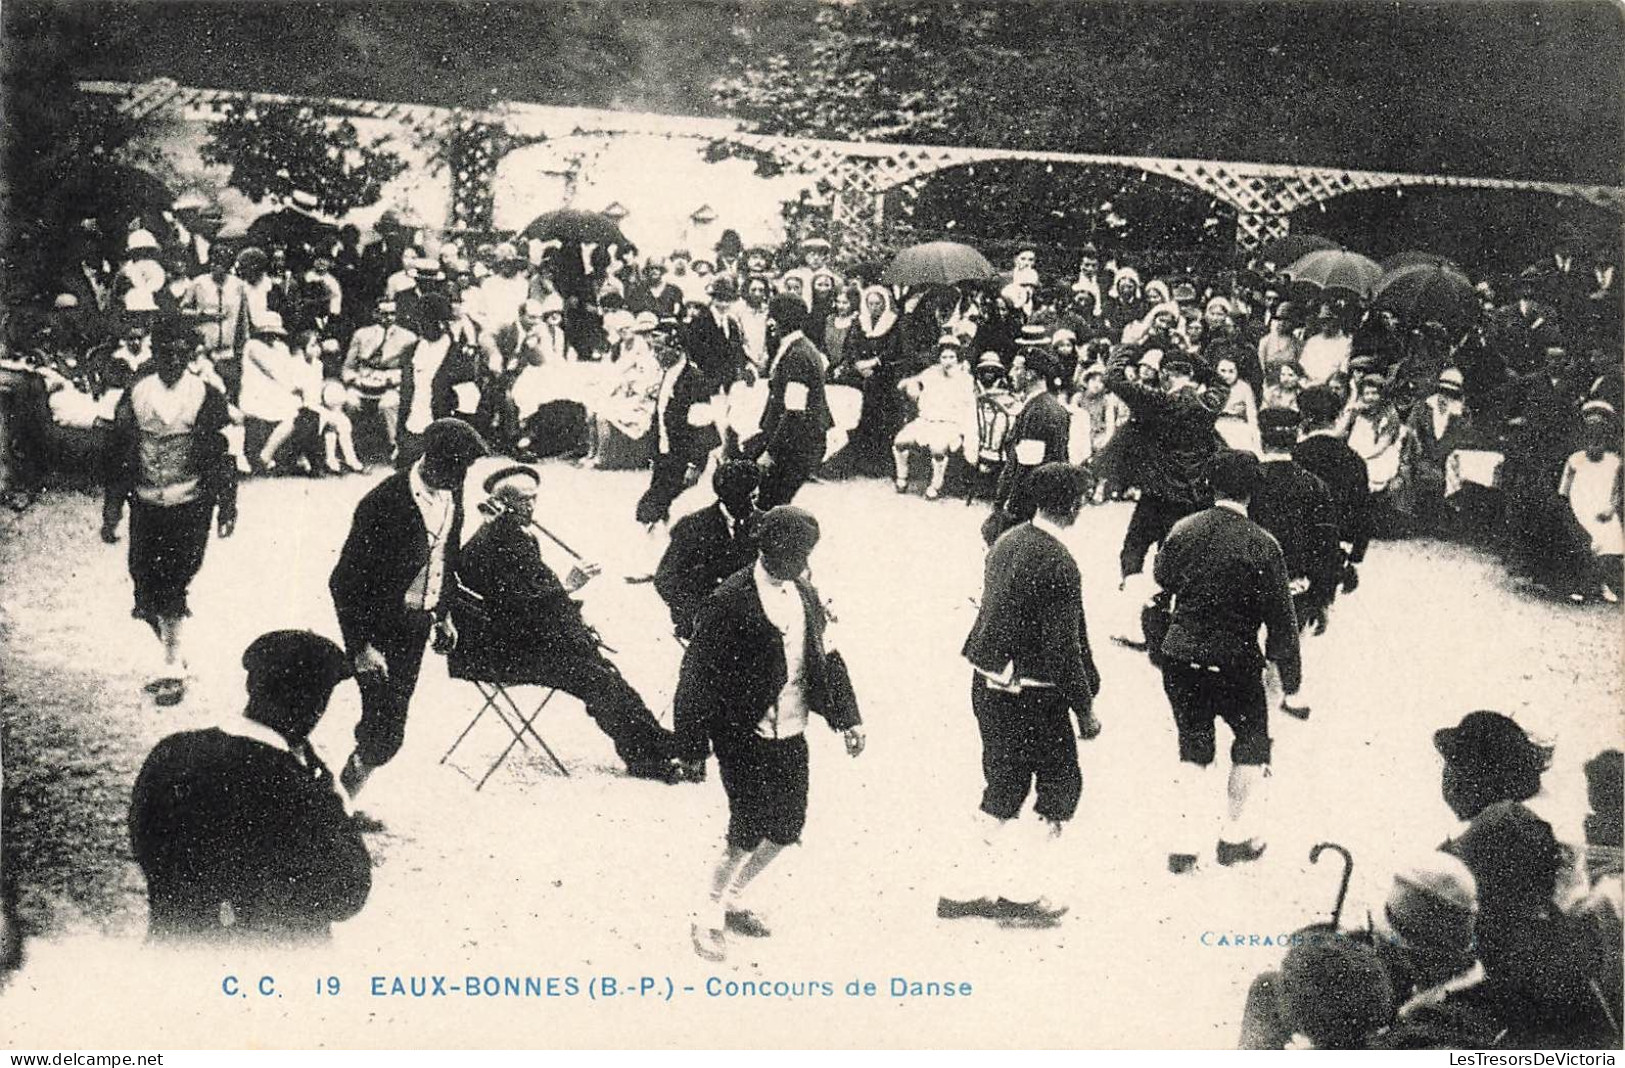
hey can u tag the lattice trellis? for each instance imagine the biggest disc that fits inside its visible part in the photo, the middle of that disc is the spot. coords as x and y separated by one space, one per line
860 173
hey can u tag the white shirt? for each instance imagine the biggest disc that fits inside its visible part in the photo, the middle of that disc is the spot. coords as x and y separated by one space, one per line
668 386
427 356
437 508
782 603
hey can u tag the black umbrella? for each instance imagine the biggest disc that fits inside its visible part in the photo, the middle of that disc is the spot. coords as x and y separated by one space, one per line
575 227
293 230
1425 292
113 194
1414 257
1293 247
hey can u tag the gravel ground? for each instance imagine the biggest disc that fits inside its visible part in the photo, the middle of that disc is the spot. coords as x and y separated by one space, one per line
595 875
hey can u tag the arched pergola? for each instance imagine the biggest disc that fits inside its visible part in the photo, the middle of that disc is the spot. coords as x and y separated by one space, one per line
859 174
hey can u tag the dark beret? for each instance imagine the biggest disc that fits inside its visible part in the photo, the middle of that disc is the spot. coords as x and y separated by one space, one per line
787 532
1278 419
286 662
452 440
1233 473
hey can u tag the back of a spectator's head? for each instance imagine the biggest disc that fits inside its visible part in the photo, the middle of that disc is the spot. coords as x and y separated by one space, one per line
789 312
735 482
1488 757
1334 992
1278 428
1041 365
1233 475
291 675
1430 914
1058 491
1320 406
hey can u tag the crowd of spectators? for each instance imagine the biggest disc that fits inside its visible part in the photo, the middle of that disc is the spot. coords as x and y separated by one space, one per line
337 349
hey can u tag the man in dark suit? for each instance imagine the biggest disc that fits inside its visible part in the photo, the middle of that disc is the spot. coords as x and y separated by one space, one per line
796 421
388 587
529 629
1175 428
1227 578
1325 454
1039 435
759 665
684 434
714 339
239 830
1029 649
709 545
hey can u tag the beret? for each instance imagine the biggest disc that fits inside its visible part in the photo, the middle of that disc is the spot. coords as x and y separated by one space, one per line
787 531
453 439
294 660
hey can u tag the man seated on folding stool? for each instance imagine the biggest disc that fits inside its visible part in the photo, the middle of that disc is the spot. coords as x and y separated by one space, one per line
532 632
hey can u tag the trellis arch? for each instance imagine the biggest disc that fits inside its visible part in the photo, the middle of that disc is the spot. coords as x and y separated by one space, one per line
860 173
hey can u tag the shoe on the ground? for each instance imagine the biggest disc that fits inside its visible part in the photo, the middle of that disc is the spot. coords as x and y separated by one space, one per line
1297 712
953 909
1233 853
1089 726
169 692
901 484
365 824
932 493
636 580
709 943
1181 863
1028 914
745 922
354 776
666 771
1609 595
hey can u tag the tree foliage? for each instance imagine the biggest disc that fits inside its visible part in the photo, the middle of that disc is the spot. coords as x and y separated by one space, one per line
276 150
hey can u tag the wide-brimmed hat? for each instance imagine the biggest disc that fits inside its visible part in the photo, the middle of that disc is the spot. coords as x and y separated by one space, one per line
1489 739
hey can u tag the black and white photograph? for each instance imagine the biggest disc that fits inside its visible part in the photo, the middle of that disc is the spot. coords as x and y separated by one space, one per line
812 525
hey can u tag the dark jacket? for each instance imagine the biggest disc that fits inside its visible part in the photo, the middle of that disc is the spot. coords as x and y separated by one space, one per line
1344 472
1031 617
525 616
1043 419
216 818
1227 578
701 554
784 431
387 547
692 442
1296 507
211 458
462 364
1176 430
718 351
734 669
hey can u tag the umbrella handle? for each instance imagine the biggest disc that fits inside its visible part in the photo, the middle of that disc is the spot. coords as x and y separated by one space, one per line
1348 870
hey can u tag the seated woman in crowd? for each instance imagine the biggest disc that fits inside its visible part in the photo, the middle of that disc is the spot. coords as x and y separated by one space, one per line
1591 485
273 381
1283 393
1374 429
627 411
1437 427
1238 419
945 402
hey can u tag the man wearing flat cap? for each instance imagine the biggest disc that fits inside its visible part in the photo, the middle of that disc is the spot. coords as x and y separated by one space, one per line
1040 434
238 829
760 663
530 630
390 582
796 420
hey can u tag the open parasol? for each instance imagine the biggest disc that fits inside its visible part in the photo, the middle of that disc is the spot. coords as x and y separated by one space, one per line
570 226
941 263
1294 247
1337 269
1426 292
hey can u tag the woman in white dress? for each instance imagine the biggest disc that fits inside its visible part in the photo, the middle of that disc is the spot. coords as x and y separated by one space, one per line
1591 485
